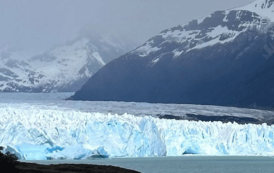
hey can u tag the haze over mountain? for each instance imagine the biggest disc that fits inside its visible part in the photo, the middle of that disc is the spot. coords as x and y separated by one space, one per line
226 58
36 26
63 68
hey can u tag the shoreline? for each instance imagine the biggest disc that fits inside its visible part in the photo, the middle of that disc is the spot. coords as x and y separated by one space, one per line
24 167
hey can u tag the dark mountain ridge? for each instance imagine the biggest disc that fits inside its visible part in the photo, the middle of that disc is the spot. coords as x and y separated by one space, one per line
226 58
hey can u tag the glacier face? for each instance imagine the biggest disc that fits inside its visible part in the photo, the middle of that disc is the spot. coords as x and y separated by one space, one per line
46 130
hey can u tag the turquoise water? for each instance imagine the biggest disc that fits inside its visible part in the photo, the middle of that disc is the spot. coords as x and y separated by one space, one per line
187 164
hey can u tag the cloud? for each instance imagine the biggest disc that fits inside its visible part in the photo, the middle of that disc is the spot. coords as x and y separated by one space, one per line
39 25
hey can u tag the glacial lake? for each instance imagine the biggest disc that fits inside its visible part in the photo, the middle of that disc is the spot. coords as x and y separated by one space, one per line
186 164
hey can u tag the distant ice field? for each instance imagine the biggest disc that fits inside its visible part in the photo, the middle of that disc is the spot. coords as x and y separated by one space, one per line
57 101
46 126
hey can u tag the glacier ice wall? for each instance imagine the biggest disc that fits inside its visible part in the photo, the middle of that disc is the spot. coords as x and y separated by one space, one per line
37 134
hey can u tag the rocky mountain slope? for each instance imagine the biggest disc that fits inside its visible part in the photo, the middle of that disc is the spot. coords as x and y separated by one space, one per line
64 68
226 58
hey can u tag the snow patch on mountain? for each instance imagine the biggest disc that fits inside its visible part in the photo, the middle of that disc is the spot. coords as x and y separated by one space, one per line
215 37
147 48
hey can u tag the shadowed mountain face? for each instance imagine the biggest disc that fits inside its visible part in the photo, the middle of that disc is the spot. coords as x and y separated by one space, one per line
226 58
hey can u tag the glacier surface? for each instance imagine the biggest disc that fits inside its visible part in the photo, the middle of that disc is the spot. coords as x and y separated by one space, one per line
40 130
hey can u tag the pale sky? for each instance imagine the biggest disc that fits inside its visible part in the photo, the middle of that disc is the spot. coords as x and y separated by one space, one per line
40 24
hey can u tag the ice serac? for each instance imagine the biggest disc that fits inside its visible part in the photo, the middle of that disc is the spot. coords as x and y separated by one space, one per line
226 58
63 68
39 134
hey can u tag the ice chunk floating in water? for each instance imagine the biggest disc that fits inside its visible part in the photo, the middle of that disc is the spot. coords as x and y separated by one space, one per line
47 133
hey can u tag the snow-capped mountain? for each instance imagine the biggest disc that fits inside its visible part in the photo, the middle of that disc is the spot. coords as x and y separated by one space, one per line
226 58
64 68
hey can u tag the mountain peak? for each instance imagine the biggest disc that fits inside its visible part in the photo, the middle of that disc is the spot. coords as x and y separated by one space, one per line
263 8
264 4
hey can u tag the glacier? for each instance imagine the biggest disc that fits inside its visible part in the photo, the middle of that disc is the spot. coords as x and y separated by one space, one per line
41 130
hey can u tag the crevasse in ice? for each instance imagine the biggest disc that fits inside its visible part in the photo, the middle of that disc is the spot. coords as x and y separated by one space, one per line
53 134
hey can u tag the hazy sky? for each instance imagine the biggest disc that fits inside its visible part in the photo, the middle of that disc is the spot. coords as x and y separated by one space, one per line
40 24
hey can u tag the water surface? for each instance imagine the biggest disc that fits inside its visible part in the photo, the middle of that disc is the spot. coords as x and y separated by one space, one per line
187 164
